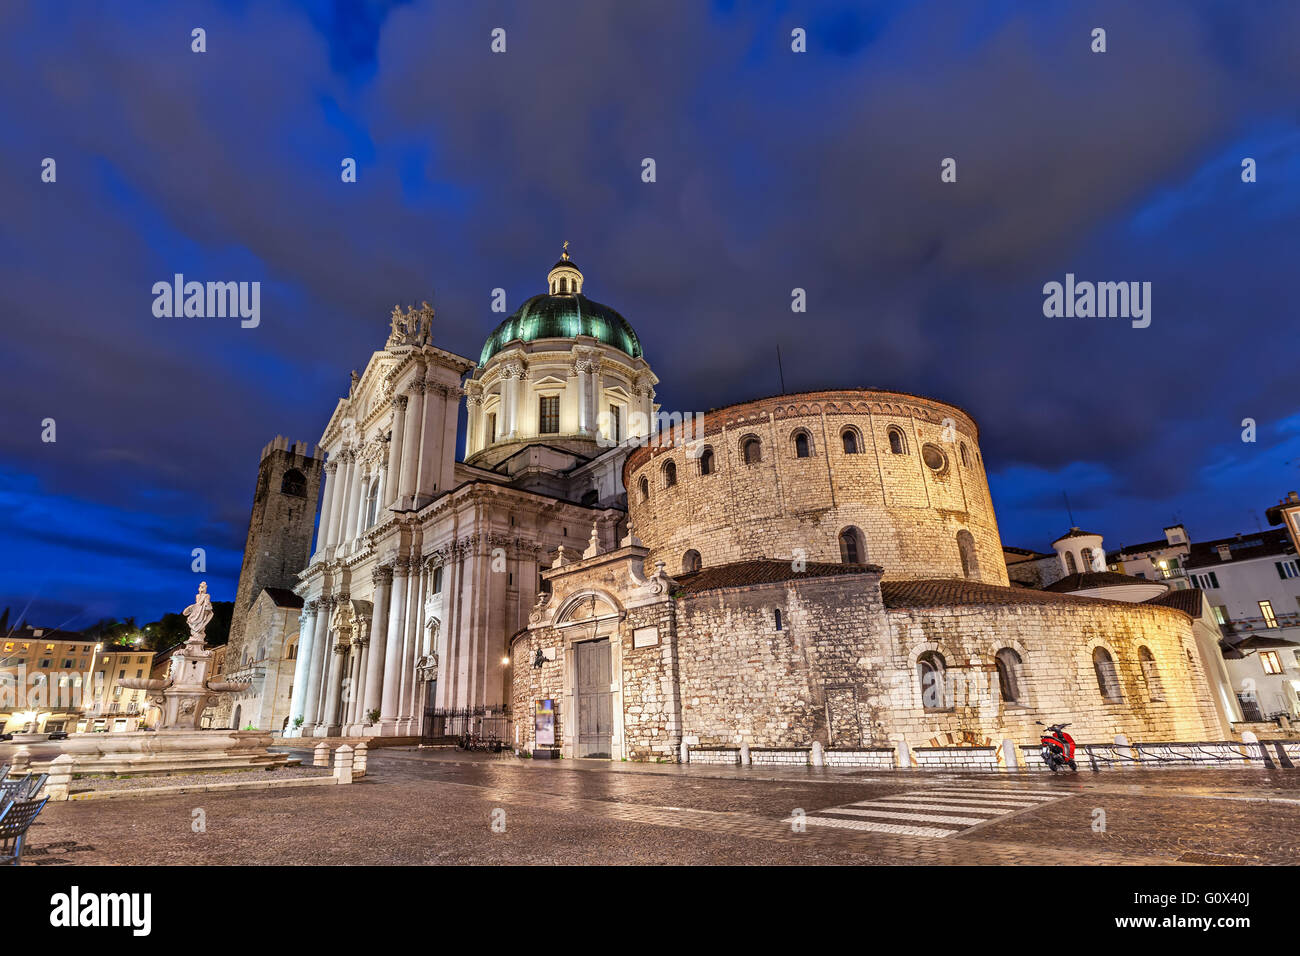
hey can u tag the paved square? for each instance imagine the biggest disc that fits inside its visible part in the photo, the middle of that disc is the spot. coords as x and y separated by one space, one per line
431 807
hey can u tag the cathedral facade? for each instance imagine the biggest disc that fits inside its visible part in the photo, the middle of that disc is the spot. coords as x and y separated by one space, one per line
823 567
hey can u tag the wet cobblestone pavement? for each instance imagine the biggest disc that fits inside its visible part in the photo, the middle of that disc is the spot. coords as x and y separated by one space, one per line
428 807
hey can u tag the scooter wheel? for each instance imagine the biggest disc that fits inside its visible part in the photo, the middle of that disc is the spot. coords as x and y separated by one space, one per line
1074 766
1055 766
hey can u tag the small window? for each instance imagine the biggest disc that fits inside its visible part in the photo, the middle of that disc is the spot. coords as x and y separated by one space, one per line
931 671
437 580
1150 673
294 483
853 549
1009 663
752 450
934 459
965 456
492 427
850 439
1271 662
897 441
645 488
970 567
615 426
776 616
670 474
706 462
1071 567
1266 609
1107 676
802 447
1086 554
548 414
691 562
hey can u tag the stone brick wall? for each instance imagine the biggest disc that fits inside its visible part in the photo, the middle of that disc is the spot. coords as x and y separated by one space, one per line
783 505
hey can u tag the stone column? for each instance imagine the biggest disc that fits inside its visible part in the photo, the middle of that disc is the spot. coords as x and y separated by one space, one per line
297 699
411 445
393 649
395 449
323 530
333 696
354 498
311 698
339 505
357 688
411 643
374 690
430 444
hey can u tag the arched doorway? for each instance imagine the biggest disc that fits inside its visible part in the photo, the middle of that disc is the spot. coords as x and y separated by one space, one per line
234 717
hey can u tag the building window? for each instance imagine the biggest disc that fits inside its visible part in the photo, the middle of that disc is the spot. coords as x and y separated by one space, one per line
1220 614
548 414
1070 566
645 489
591 498
853 547
1149 673
751 450
802 446
615 428
776 616
294 483
934 459
670 474
372 502
850 439
437 580
932 670
1107 677
1266 609
1008 663
965 458
492 428
1287 569
691 562
706 462
1271 661
1086 554
897 441
970 567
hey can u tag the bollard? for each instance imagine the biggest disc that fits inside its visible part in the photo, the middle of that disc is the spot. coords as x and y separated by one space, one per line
60 780
1010 756
359 759
343 764
686 752
904 756
744 755
818 756
321 755
22 761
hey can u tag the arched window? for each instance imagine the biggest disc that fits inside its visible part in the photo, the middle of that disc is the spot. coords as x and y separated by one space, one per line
1009 663
1107 675
934 458
853 547
776 616
965 457
294 483
372 502
691 561
645 488
850 439
932 671
897 441
752 450
802 446
1155 690
670 474
1070 566
970 566
706 461
1086 554
291 652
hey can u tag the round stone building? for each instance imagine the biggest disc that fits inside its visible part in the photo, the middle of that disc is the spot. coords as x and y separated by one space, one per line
860 476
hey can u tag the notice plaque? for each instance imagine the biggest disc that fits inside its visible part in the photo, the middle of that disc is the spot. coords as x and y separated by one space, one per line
544 723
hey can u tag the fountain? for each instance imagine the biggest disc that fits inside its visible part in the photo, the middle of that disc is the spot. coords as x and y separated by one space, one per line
178 743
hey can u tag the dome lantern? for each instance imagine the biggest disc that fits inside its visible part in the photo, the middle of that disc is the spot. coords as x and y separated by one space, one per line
565 278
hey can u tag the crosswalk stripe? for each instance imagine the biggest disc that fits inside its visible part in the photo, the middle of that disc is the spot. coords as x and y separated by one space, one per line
944 807
979 801
878 827
895 815
1008 794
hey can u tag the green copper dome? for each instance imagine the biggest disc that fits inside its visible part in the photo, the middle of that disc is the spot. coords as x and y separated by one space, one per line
562 316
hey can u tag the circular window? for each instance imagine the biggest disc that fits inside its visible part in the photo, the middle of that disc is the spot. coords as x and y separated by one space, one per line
934 459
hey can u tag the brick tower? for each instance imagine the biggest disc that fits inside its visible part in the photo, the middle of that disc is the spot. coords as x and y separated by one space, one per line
279 530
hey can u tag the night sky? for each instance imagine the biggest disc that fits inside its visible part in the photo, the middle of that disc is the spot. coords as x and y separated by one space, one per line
775 170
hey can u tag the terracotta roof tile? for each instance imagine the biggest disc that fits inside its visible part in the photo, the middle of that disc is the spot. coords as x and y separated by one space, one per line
764 571
950 593
1188 600
1095 579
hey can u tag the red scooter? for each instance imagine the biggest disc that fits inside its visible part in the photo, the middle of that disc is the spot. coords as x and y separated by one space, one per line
1058 747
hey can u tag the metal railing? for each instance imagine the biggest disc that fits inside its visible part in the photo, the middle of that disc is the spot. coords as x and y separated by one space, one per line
478 723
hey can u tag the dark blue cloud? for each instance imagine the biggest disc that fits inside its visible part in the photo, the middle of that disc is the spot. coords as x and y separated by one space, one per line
775 170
